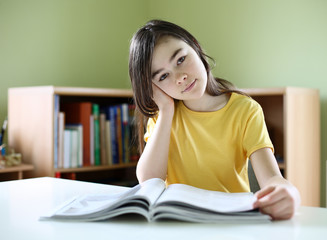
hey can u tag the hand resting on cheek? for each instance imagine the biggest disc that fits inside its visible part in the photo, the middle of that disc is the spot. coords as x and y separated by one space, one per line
165 102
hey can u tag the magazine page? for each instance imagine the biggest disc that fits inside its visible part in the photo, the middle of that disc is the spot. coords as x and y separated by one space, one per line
96 206
205 199
151 189
203 216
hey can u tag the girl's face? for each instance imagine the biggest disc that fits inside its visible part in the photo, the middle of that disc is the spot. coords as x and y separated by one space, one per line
178 70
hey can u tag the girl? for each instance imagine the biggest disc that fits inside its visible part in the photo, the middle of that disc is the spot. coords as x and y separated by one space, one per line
201 131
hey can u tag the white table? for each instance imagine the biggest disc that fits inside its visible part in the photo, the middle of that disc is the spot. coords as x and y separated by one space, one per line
23 201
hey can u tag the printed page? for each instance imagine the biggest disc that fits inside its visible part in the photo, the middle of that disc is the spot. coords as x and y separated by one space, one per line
151 189
92 206
87 204
210 200
203 216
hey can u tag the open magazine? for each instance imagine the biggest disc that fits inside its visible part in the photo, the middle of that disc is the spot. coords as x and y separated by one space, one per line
153 200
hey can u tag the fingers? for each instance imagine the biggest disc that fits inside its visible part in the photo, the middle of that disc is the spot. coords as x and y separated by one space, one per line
264 191
163 100
275 201
269 196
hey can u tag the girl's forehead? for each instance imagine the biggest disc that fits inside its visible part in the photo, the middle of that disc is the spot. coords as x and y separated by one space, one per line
167 40
166 45
164 49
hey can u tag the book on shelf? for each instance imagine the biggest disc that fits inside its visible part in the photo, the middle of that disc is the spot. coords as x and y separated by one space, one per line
56 131
60 142
114 146
125 132
133 145
103 147
106 130
154 201
66 159
75 144
119 136
92 140
72 147
79 113
97 150
108 137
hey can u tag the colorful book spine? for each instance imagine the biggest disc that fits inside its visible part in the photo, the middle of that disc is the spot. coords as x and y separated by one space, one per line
61 129
119 133
125 132
67 149
108 136
91 140
104 160
79 113
55 129
114 147
76 144
97 150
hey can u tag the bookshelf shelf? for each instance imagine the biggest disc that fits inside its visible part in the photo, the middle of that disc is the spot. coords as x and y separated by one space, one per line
17 170
95 168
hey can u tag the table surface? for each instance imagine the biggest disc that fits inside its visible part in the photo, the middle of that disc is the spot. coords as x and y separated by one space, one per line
22 202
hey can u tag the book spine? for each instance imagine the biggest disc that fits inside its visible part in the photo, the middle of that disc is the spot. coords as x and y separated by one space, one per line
86 112
76 148
61 129
104 160
119 136
55 129
80 146
91 140
108 136
97 154
79 113
67 148
125 132
114 147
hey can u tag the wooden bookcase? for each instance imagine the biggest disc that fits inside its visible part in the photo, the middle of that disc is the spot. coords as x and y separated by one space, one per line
14 172
31 127
293 119
292 116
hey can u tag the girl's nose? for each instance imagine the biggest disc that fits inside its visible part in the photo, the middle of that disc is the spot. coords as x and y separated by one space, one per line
181 78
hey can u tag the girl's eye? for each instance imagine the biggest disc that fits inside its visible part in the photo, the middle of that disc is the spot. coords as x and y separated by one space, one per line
163 77
180 60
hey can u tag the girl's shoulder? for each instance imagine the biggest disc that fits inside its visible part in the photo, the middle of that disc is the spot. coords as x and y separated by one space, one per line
244 102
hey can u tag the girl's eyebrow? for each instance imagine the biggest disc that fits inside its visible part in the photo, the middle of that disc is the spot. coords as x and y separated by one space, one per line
171 59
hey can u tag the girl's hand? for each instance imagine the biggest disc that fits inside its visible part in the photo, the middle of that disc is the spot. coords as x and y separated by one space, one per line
164 102
279 201
278 197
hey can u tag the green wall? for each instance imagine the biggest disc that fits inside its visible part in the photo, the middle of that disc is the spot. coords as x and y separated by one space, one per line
256 43
66 43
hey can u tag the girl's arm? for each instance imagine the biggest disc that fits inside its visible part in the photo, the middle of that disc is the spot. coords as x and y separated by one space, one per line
277 197
154 159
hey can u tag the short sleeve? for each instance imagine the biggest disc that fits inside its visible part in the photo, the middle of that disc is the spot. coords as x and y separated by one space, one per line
149 128
256 135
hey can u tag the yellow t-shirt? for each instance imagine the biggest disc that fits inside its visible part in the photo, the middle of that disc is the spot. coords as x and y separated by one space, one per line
210 150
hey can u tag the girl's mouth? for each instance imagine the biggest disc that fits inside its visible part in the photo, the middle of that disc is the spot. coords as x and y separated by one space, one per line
189 87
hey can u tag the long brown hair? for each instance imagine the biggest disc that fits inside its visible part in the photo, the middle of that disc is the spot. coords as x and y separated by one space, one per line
140 59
